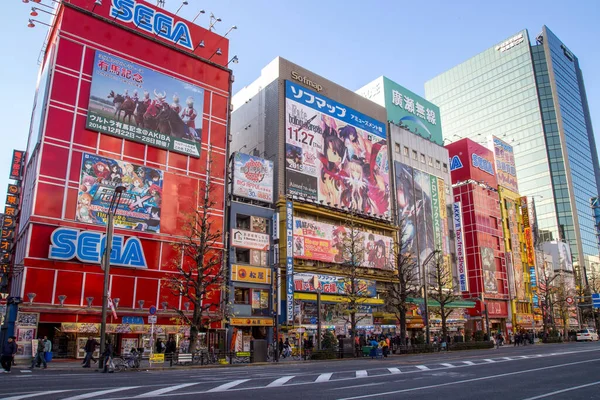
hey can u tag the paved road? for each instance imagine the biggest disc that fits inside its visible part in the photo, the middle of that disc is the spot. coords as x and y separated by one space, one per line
534 372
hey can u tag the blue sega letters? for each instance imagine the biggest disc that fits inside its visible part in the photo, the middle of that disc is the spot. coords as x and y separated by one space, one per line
88 246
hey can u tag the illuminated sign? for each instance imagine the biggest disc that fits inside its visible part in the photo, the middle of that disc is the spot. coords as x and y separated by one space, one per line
289 271
481 163
152 21
88 247
244 273
16 166
455 163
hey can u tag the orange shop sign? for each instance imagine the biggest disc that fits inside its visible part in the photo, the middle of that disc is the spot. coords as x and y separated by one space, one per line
251 321
244 273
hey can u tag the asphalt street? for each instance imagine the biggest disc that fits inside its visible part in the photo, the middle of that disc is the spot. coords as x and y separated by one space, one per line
569 371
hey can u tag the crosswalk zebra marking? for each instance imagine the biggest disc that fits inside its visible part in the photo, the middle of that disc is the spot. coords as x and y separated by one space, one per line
281 381
227 386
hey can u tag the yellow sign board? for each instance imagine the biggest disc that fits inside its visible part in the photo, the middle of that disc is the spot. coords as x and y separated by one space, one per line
337 299
245 273
157 358
251 321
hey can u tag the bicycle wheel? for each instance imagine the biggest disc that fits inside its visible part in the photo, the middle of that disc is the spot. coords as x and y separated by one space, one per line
119 364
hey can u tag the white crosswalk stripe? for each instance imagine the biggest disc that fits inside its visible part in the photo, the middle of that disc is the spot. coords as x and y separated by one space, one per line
361 373
26 396
423 367
281 381
165 390
324 377
100 393
227 386
447 365
489 360
469 362
394 370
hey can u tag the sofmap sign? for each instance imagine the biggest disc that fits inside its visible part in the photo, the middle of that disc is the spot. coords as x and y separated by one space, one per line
152 21
88 247
460 250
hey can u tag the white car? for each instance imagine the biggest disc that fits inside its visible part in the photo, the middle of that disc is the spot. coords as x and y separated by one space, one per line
588 334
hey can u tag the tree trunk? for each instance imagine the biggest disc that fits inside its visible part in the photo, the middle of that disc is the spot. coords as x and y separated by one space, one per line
194 329
444 328
403 325
353 333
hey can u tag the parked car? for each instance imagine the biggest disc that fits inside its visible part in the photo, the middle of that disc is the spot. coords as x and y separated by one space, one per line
588 334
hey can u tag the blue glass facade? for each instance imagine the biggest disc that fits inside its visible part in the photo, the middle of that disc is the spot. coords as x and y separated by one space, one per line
531 96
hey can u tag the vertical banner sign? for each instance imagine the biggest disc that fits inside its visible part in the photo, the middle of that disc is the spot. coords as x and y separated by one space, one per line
435 207
460 250
443 215
527 230
16 165
289 271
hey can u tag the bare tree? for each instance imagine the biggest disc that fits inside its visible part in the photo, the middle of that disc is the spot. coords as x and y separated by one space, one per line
441 288
547 289
406 280
200 276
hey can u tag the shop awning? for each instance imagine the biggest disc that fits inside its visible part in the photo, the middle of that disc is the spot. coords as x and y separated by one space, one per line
433 303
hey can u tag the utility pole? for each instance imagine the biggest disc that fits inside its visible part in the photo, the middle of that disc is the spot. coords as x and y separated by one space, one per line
110 214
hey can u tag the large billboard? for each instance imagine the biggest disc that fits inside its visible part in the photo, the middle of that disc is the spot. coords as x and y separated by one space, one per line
329 284
139 104
488 262
506 171
140 206
320 241
513 228
252 177
334 154
419 197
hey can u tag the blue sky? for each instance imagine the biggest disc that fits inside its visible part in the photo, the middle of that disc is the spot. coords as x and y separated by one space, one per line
349 42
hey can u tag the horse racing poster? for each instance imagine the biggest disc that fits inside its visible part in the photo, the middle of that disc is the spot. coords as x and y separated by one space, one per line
139 104
140 205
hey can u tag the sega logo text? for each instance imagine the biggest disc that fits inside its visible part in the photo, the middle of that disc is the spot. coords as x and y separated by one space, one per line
482 164
153 21
88 247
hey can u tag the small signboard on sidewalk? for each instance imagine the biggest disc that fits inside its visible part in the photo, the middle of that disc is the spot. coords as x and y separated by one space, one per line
152 319
157 358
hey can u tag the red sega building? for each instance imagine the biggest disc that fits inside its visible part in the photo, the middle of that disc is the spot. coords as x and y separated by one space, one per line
175 74
474 183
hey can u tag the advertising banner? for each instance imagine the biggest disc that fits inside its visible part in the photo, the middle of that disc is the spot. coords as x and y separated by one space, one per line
405 197
325 242
244 273
513 228
16 165
488 263
435 208
335 154
252 177
249 239
330 284
289 272
461 265
506 171
139 104
424 214
140 205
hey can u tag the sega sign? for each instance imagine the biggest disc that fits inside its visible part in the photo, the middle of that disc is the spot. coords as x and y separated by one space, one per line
481 163
153 21
88 247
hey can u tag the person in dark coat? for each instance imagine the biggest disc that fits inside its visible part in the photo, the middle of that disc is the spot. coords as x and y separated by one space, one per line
90 347
280 347
8 352
107 356
39 356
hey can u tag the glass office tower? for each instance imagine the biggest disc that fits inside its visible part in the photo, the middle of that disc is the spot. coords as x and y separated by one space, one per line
533 97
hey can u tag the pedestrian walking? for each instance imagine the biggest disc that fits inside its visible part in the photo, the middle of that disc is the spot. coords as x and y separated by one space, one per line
39 355
160 346
89 348
280 347
107 357
170 349
9 349
47 350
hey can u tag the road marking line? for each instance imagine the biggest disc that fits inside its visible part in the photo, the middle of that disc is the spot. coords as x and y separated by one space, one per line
489 360
469 362
25 371
483 378
394 370
541 396
100 393
281 381
26 396
227 386
158 392
324 377
361 374
422 367
507 358
447 365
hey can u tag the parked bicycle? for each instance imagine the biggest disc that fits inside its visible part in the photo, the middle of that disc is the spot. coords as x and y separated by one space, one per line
132 360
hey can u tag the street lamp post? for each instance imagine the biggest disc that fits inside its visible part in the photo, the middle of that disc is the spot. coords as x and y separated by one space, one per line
425 290
112 208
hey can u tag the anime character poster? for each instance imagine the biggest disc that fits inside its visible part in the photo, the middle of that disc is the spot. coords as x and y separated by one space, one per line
252 177
489 270
424 214
140 205
320 241
139 104
334 154
405 197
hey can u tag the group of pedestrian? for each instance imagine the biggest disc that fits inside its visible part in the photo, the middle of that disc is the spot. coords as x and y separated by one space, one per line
7 359
44 349
522 338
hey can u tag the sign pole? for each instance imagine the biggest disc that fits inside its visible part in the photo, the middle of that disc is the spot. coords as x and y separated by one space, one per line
106 264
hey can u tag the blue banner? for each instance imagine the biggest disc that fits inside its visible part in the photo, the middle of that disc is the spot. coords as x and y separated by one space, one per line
337 110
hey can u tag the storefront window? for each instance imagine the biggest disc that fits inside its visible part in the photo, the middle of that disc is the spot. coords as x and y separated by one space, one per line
260 302
242 296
